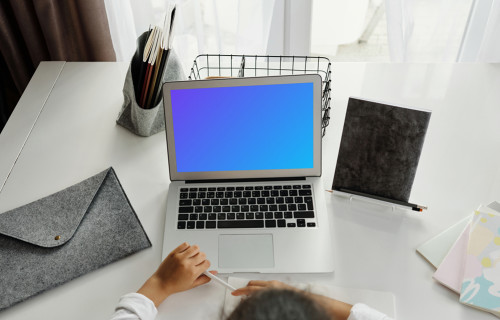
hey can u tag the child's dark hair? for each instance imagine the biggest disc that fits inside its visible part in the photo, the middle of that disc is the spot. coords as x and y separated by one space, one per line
278 304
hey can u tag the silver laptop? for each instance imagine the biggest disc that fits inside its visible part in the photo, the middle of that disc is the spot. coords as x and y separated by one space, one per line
245 164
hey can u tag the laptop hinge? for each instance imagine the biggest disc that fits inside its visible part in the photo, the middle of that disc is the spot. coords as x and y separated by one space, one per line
246 180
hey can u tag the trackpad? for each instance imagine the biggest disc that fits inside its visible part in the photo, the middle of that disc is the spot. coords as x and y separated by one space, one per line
246 251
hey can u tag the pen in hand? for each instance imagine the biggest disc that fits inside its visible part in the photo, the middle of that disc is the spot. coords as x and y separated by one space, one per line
219 280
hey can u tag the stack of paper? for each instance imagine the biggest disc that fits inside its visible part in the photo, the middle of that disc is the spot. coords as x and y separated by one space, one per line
471 268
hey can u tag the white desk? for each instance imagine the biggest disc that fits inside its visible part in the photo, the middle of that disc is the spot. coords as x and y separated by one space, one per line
63 131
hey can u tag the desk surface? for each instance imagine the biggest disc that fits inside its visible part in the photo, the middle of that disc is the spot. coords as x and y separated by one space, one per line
63 130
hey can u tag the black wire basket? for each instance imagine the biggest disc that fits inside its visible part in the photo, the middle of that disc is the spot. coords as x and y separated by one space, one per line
208 66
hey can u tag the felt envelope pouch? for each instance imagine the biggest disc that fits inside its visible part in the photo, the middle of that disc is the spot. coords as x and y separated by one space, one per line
65 235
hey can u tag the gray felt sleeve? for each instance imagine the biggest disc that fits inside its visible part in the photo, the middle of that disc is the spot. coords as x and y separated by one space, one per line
51 241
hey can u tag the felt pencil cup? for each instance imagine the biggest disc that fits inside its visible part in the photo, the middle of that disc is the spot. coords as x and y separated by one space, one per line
142 113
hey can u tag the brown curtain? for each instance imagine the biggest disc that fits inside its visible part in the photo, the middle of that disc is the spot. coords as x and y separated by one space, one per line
41 30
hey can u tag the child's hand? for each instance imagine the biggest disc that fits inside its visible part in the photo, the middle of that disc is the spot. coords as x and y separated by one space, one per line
181 270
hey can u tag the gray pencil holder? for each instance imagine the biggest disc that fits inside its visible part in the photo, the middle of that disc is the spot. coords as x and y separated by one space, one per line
146 122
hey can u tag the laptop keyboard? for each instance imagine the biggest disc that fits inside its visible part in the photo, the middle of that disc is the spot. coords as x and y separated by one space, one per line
269 206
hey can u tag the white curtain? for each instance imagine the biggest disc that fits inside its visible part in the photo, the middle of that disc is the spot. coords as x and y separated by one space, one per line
202 26
443 30
481 39
425 30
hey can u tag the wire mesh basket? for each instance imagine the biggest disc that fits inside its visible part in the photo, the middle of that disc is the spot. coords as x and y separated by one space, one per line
224 66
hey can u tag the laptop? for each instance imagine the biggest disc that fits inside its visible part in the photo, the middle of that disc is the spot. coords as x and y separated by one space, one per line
244 158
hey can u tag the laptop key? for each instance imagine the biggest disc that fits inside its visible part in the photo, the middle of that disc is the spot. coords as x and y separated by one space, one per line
185 202
249 215
186 209
277 187
210 194
183 216
202 195
293 193
228 194
224 202
240 224
282 207
255 194
221 188
288 215
280 200
200 224
309 202
292 207
249 188
181 225
297 186
263 207
211 189
198 209
269 215
219 194
193 189
245 208
268 187
221 216
287 187
273 207
193 216
270 223
183 195
306 186
278 215
202 189
306 192
193 195
235 208
207 209
281 223
242 201
184 189
212 216
261 200
203 216
196 202
303 214
270 200
298 200
240 188
252 201
301 223
230 188
205 202
217 208
210 224
231 216
254 208
191 224
233 201
226 209
301 207
290 225
259 215
275 193
311 224
214 202
240 216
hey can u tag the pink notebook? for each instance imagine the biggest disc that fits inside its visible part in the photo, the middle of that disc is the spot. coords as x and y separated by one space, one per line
450 271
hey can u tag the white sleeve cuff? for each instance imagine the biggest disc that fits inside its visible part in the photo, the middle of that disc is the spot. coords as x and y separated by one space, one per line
135 306
361 311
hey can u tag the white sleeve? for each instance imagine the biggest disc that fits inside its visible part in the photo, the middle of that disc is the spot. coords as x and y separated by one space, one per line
135 306
363 312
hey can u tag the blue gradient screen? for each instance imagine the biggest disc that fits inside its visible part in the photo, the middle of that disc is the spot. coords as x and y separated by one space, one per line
260 127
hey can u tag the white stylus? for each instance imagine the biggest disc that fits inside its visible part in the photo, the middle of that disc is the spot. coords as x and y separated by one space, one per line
219 280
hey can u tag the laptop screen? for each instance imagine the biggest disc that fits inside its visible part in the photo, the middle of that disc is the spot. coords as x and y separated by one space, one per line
242 128
262 127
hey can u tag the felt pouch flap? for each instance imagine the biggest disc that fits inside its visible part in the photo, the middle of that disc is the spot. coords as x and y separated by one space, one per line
53 220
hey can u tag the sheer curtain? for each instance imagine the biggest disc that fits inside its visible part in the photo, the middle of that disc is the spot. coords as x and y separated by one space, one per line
426 30
443 30
202 26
